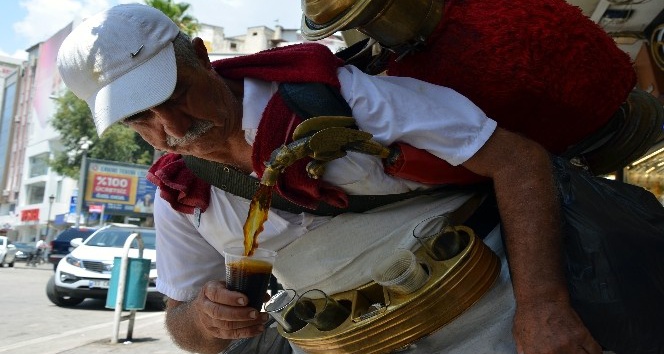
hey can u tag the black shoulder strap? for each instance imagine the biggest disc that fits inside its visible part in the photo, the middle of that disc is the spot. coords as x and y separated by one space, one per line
313 99
242 185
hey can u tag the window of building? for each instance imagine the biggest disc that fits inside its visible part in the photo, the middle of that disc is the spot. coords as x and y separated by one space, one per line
39 165
233 46
35 193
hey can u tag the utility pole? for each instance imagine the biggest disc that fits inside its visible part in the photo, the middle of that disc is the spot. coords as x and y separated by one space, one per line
84 143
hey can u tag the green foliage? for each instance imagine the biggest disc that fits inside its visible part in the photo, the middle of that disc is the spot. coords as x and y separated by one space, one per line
176 12
73 120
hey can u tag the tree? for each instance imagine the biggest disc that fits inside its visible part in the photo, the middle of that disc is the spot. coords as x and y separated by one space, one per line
73 120
176 12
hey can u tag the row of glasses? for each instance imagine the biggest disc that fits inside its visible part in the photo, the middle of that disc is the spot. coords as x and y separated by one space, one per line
315 307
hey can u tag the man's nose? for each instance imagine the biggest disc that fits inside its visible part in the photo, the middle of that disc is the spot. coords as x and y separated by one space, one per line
174 123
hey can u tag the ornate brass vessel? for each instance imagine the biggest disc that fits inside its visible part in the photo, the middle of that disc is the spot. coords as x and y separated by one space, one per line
381 321
392 23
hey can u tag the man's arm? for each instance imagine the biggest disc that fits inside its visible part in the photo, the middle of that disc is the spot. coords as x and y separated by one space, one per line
523 181
208 323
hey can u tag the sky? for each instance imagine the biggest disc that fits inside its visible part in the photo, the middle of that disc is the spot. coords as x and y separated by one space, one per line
24 23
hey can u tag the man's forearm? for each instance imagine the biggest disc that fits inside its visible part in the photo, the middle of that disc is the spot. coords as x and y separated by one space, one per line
544 321
524 186
530 213
532 230
187 332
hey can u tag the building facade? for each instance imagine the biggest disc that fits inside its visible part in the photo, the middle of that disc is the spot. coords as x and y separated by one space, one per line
10 74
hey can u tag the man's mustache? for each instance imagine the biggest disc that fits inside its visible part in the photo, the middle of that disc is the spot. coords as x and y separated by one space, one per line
198 128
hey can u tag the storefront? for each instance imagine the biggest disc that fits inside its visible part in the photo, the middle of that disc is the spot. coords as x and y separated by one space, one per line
648 172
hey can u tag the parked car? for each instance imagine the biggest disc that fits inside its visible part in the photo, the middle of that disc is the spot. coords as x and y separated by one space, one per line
86 271
7 252
60 246
24 250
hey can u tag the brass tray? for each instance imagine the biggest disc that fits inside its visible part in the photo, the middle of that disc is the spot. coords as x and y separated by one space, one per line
381 321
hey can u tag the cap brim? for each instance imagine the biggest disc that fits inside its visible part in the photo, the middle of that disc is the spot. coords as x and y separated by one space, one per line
349 19
143 87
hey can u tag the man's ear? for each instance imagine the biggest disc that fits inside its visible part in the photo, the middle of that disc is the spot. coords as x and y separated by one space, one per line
201 52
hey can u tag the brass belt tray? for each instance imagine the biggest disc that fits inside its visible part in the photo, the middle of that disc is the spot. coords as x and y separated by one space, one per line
381 321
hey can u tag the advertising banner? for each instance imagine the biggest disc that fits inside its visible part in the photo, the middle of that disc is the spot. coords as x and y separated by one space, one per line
118 188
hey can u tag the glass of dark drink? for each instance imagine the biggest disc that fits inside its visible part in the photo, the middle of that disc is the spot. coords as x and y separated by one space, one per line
439 238
320 310
249 275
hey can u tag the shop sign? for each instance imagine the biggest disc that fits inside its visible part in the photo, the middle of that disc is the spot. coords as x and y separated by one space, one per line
96 208
30 215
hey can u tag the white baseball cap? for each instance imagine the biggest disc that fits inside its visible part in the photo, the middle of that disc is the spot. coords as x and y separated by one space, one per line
120 61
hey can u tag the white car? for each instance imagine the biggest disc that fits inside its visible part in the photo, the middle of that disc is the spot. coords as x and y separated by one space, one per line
7 252
86 271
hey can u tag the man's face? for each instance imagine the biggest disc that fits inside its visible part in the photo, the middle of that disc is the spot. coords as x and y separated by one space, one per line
201 114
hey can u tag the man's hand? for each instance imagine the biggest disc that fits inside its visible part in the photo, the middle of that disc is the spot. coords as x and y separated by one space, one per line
563 330
224 314
208 323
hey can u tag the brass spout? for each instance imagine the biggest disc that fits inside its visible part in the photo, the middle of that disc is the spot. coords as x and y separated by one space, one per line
270 176
324 139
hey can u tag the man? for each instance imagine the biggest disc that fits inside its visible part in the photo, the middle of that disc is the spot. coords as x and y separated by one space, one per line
38 253
123 63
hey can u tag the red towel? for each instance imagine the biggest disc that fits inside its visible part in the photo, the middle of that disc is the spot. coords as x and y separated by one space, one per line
178 185
308 62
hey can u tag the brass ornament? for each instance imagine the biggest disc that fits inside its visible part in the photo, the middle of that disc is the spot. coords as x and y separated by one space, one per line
393 23
323 11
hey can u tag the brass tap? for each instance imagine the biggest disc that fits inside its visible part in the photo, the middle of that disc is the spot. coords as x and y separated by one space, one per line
324 139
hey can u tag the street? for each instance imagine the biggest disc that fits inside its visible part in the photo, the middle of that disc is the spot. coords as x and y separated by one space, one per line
32 324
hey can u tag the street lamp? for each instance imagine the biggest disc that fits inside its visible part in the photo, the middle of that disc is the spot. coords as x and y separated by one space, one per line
84 144
48 216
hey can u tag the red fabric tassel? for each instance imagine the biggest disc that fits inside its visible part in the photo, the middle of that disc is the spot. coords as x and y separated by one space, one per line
178 185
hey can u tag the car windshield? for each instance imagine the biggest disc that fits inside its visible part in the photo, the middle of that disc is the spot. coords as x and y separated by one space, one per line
117 238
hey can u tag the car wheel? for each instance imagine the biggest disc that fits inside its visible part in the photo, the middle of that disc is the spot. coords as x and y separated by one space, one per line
11 264
57 299
2 262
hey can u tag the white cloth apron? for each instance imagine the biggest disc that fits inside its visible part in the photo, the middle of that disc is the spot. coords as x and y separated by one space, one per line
338 256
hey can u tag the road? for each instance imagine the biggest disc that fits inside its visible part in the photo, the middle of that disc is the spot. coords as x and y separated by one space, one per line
30 323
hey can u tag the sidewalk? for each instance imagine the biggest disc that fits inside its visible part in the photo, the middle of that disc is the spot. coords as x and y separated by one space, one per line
149 336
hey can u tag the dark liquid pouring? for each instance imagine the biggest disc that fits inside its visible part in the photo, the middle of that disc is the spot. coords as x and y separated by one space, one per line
258 210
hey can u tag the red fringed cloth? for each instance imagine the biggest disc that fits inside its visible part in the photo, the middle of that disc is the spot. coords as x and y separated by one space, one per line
178 185
309 62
